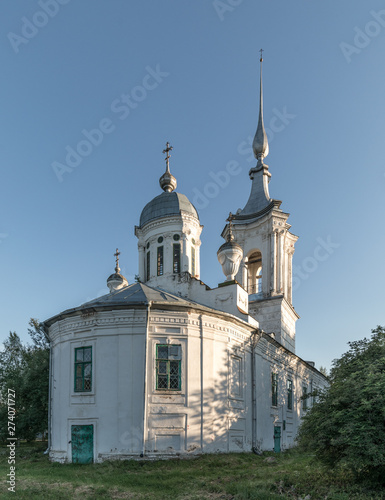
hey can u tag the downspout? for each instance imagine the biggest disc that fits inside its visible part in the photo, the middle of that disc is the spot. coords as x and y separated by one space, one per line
49 388
145 381
255 338
201 375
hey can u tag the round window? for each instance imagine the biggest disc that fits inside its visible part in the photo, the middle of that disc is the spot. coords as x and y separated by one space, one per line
193 241
160 239
176 237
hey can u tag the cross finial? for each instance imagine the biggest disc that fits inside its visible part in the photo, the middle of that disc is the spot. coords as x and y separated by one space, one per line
117 269
167 150
261 51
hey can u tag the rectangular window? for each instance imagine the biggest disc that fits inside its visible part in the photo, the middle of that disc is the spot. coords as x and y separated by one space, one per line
274 389
83 369
312 392
148 267
289 394
168 367
176 258
304 400
193 261
159 261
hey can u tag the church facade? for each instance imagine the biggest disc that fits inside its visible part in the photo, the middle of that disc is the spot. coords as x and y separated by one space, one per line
169 366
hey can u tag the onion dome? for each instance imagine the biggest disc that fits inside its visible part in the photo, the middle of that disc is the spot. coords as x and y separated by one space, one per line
116 281
230 254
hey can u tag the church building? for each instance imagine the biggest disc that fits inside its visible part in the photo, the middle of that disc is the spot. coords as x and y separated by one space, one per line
168 366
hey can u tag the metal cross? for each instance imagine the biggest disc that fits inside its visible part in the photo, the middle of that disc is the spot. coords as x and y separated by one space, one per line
261 59
117 259
167 150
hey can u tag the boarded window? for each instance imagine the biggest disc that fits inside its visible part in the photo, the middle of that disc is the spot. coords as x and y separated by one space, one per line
235 377
193 261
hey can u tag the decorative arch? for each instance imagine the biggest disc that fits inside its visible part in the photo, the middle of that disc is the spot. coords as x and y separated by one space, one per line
254 272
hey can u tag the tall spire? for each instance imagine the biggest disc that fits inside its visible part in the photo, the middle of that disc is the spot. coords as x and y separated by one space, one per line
260 144
259 197
167 181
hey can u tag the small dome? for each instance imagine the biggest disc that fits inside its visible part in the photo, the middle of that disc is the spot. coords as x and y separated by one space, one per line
167 203
116 277
116 281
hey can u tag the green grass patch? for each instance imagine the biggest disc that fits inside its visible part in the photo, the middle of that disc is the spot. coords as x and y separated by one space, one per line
289 475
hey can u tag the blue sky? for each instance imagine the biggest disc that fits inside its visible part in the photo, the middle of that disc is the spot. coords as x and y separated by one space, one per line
68 67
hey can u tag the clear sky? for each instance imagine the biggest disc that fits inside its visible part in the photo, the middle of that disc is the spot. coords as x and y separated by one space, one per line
149 71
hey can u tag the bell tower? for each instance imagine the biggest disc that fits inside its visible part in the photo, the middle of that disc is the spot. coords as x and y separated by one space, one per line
262 231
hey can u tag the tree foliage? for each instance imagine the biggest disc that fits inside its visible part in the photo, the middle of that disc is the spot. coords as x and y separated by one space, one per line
347 424
25 369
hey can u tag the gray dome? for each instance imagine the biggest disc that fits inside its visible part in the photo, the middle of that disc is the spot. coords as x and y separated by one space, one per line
166 204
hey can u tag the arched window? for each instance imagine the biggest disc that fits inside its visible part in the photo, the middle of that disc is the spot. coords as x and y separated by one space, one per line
159 261
254 273
176 258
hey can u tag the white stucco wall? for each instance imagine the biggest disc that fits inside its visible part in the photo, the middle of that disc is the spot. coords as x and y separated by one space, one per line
211 413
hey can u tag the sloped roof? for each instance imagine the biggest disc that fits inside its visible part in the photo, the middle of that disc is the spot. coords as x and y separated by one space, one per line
136 294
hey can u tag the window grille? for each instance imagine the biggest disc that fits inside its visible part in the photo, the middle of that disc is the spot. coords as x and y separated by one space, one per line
160 261
304 395
289 394
176 258
83 369
274 389
168 367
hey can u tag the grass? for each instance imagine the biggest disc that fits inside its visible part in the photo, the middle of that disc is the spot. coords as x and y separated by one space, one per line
289 475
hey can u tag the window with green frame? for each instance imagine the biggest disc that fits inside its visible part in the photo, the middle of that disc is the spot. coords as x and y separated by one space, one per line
168 367
289 394
83 369
304 395
274 389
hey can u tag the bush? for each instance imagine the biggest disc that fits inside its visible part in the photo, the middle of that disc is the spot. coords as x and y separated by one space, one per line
347 424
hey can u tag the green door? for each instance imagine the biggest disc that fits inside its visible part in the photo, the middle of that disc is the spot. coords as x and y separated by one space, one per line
277 439
82 439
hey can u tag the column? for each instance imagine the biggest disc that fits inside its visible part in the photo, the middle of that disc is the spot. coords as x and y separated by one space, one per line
141 263
273 266
280 262
184 256
266 269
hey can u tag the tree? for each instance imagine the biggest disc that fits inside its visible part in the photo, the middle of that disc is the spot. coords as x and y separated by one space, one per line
347 424
323 370
25 369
